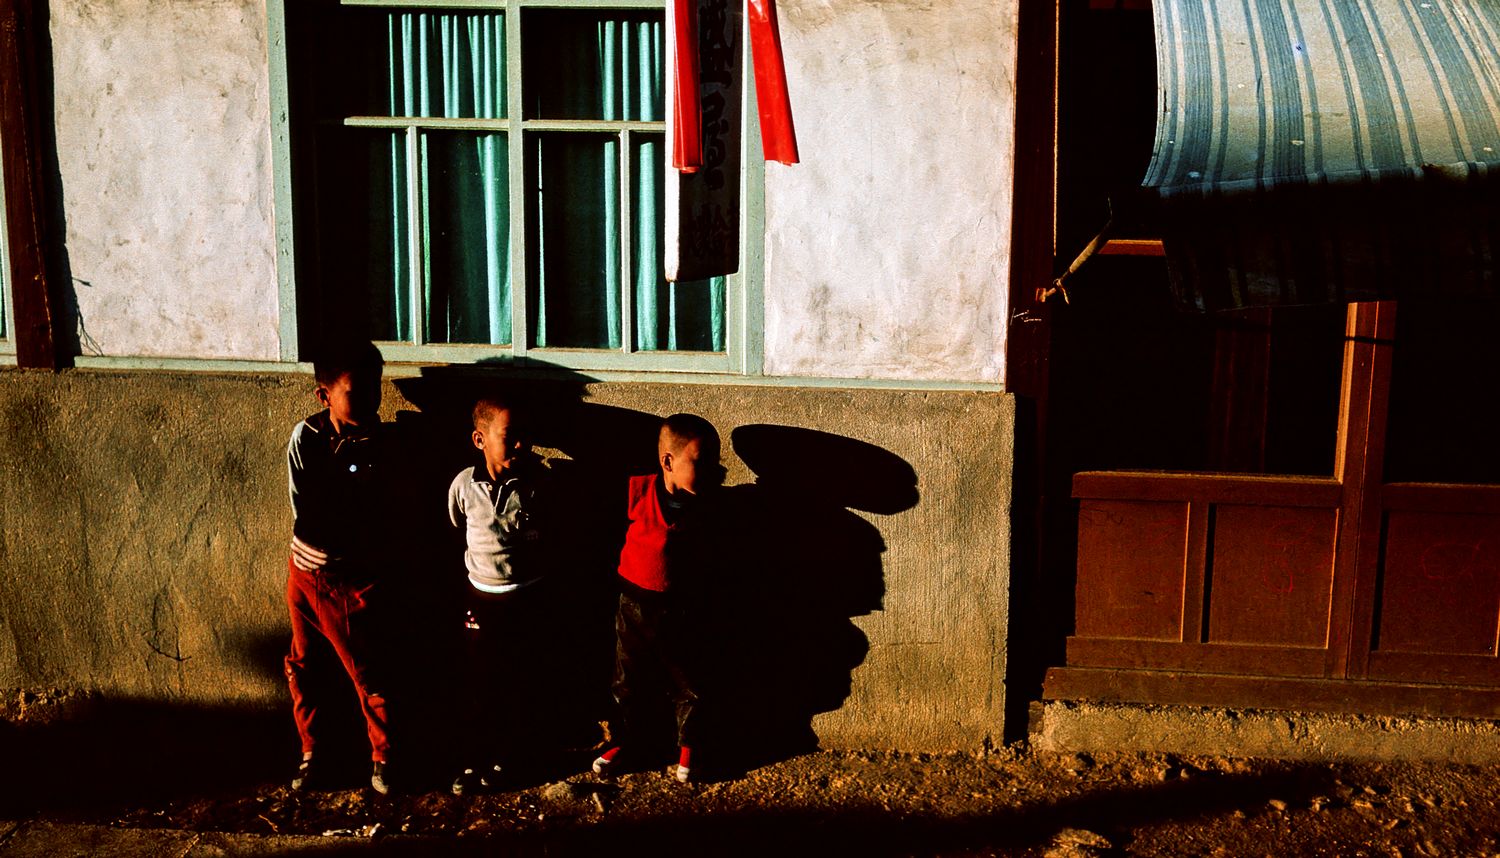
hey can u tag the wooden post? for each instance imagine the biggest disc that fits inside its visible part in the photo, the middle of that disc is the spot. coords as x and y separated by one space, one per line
1027 348
1359 456
33 315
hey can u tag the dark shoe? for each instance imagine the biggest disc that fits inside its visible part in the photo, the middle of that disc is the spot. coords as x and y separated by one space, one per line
607 762
378 778
468 782
306 776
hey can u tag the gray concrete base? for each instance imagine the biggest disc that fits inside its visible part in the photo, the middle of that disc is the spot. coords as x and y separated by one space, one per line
1071 726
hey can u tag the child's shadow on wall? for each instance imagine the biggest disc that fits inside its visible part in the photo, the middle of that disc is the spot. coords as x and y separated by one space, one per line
798 566
599 446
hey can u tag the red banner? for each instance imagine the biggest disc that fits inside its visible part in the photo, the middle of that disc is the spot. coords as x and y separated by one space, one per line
778 138
687 129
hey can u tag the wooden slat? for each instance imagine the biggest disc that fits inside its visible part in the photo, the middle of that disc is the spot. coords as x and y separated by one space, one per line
1195 657
1440 585
1209 488
1195 583
1272 574
1434 667
1260 692
1441 497
1132 558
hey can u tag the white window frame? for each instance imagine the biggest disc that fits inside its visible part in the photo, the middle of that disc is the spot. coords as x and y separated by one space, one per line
743 311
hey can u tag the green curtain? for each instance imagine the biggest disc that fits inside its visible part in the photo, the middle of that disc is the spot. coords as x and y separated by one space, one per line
607 65
617 68
452 65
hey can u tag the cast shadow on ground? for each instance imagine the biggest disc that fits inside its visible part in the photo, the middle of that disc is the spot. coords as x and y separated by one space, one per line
865 829
119 752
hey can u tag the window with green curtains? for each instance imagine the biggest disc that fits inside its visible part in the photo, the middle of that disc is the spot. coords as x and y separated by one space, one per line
492 177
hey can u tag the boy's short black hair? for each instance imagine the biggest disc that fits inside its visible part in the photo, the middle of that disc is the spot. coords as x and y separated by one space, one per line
680 429
345 355
488 404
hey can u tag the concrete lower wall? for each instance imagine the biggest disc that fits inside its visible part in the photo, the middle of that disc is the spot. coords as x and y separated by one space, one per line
1077 726
144 518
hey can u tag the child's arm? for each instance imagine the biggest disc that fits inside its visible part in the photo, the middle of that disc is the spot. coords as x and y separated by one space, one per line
305 556
456 515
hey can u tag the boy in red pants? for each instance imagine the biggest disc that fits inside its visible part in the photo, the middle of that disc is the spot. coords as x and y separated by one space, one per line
337 462
665 547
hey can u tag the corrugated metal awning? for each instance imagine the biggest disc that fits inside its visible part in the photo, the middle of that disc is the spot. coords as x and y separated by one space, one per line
1310 151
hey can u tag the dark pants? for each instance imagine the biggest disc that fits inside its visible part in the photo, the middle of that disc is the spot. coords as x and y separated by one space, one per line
505 643
331 616
654 653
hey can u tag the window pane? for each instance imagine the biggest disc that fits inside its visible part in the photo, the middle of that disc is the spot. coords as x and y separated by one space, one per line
683 316
593 65
1444 420
466 236
573 255
441 64
446 64
361 228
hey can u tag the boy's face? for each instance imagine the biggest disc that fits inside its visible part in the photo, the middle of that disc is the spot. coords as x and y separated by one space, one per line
353 399
694 468
500 439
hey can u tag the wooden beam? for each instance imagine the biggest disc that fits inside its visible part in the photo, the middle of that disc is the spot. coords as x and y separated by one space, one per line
1028 344
1133 247
1182 688
21 134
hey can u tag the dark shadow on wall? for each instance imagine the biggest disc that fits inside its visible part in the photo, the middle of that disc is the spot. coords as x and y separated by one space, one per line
798 566
585 492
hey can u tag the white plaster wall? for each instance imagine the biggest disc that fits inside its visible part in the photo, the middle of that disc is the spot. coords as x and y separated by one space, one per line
887 248
163 131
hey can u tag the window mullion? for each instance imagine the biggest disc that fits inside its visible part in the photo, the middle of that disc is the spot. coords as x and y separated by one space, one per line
415 240
520 337
627 227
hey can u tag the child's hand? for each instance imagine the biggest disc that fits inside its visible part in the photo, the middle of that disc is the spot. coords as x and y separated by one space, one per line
306 557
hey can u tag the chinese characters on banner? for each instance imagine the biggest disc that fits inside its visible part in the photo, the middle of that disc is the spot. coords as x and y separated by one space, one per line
705 128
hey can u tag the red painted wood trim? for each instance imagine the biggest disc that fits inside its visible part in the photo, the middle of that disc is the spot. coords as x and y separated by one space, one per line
1441 497
32 315
1360 458
1444 667
1195 657
1132 247
1033 218
1184 688
1207 488
1194 584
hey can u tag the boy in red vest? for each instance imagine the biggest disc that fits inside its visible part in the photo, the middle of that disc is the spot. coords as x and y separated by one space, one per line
664 549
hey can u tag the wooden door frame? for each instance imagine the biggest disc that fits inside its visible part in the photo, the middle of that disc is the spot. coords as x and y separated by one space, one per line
24 132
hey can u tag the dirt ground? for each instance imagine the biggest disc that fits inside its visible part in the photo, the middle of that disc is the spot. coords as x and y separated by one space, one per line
1006 803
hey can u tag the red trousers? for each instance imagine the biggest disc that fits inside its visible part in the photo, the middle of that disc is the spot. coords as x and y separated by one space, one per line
332 618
